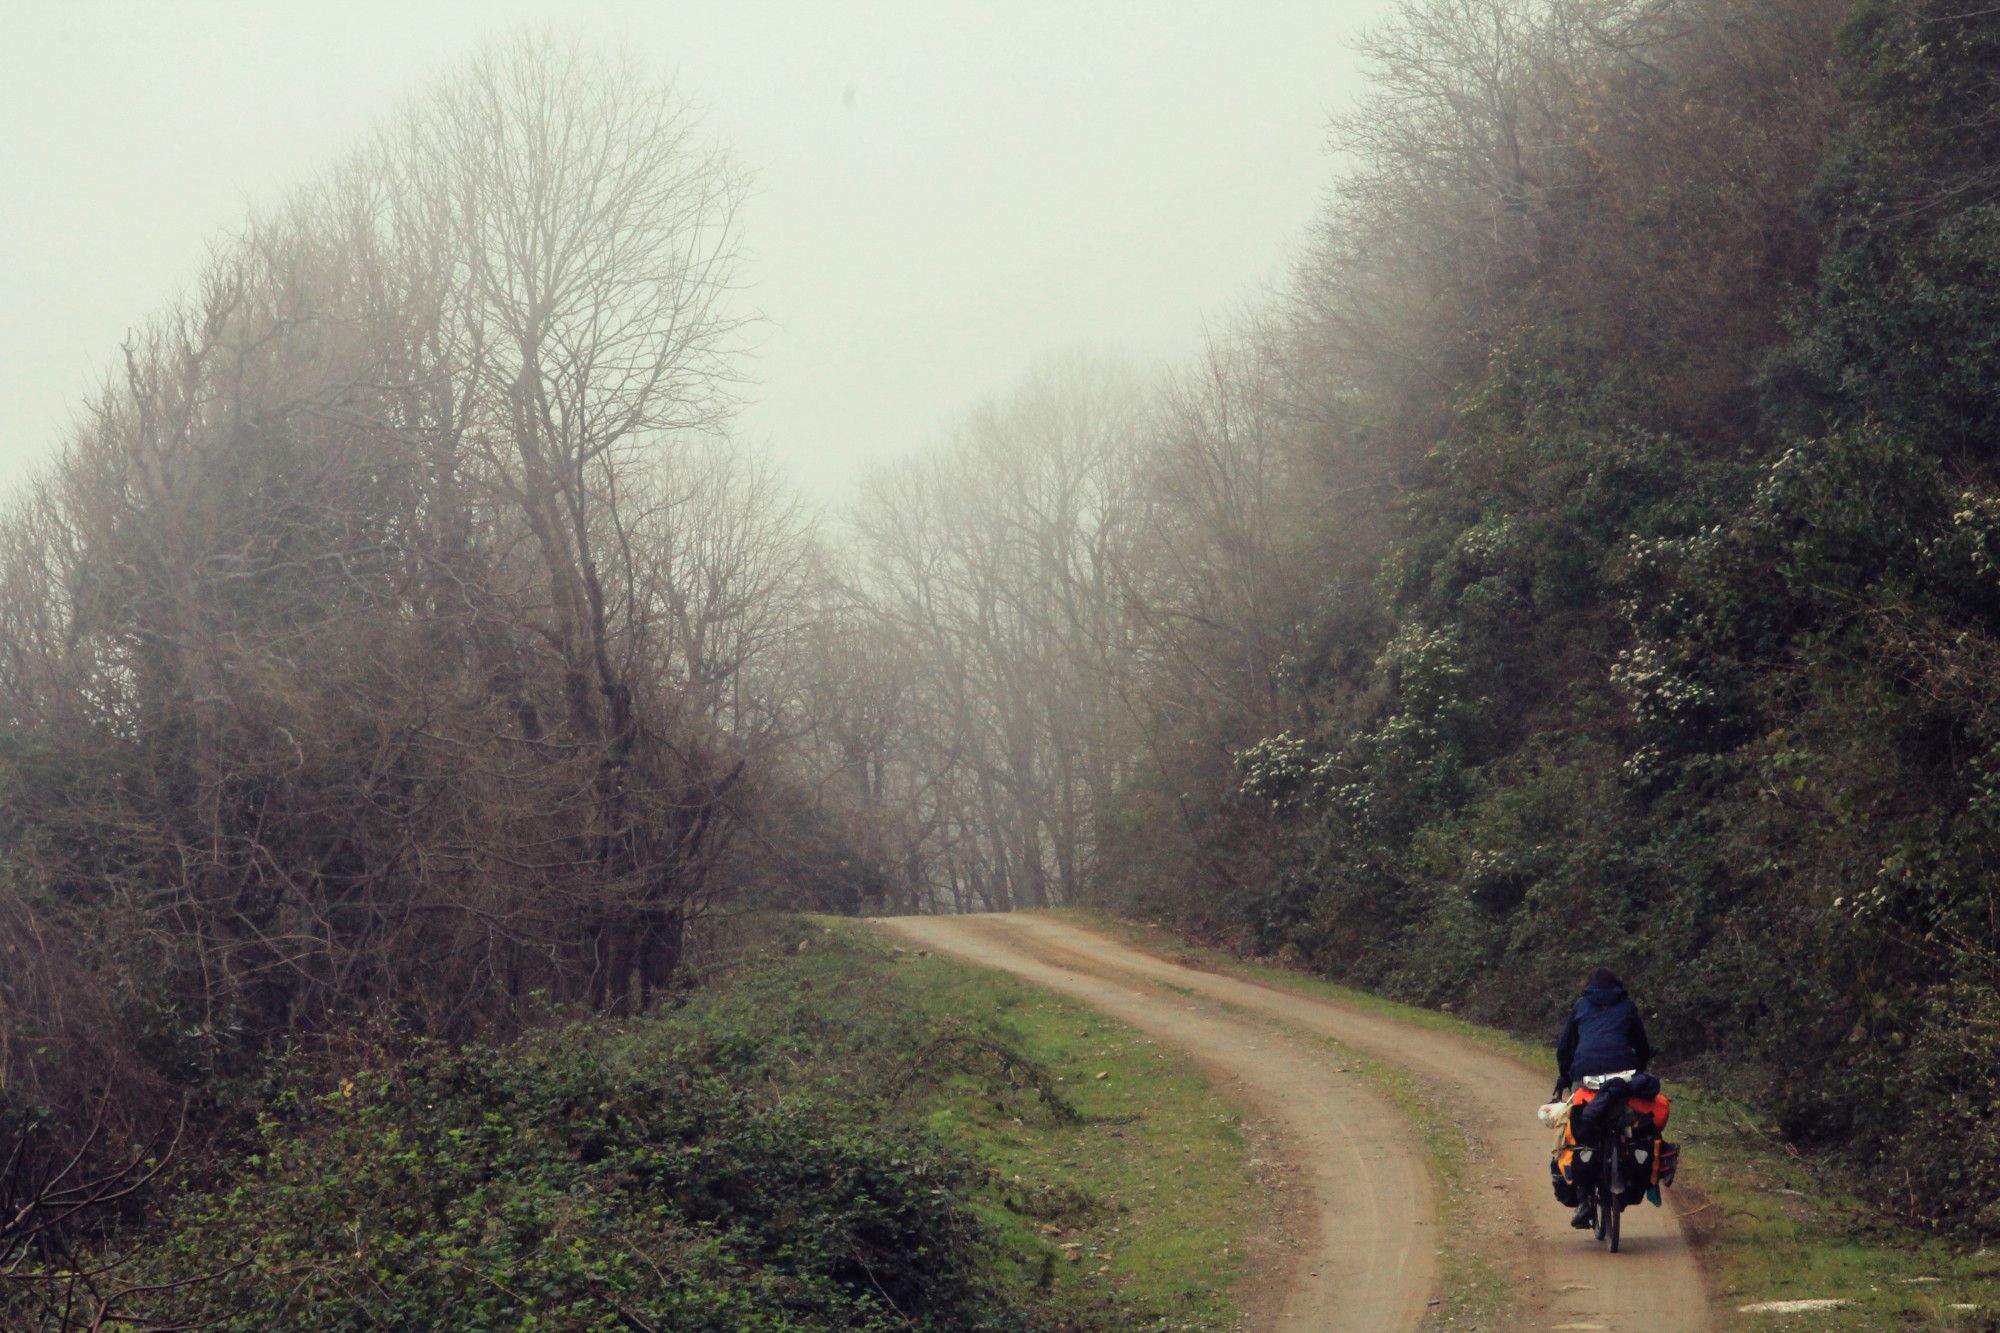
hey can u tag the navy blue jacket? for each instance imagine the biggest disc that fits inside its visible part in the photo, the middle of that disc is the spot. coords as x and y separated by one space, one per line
1603 1035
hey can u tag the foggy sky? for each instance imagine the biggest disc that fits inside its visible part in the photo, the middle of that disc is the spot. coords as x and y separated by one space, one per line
944 193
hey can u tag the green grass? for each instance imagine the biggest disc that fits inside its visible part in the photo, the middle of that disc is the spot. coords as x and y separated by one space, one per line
1471 1293
1776 1226
1771 1225
1137 1211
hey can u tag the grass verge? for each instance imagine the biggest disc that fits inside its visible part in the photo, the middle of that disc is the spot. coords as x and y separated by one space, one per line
1134 1214
836 1135
1471 1293
1772 1225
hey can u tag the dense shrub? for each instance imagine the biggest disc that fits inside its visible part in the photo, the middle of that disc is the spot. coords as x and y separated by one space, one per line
563 1183
1704 693
742 1164
1950 1171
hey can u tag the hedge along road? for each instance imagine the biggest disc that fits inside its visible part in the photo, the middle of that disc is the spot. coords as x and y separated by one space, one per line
1365 1243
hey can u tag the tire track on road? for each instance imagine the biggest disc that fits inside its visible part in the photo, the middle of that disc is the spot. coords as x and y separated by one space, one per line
1365 1257
1562 1280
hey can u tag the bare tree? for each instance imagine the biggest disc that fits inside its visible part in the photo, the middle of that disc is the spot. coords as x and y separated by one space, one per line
388 636
992 563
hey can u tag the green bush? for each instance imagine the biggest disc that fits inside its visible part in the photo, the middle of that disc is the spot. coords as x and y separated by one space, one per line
553 1187
743 1164
1933 1115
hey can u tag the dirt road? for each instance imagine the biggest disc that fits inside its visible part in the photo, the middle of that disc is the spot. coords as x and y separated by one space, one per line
1368 1234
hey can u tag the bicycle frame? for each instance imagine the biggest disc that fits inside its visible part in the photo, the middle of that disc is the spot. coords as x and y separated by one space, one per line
1607 1190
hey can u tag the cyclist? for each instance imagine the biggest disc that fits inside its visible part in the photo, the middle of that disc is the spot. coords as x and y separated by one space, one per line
1603 1036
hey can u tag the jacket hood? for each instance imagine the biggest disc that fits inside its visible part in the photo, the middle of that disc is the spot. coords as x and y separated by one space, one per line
1604 996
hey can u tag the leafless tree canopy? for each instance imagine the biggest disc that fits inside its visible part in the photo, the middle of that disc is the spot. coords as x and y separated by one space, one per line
401 634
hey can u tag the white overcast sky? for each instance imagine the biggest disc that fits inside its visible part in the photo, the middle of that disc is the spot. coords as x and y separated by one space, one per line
944 192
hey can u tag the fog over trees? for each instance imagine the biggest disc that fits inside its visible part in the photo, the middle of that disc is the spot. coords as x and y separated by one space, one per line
1582 560
385 638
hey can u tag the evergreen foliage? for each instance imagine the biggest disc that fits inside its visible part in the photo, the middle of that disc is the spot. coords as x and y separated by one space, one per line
1705 694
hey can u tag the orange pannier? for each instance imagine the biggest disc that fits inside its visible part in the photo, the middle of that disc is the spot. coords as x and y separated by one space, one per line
1655 1106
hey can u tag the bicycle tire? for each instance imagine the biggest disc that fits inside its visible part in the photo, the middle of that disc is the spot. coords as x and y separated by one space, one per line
1610 1190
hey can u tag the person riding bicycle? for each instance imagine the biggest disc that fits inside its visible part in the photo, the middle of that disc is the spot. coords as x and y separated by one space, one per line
1604 1035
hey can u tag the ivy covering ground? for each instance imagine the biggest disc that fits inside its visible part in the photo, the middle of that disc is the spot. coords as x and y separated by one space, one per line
840 1136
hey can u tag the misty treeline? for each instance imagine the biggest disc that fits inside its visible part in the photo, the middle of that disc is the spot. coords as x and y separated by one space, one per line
1588 557
1107 603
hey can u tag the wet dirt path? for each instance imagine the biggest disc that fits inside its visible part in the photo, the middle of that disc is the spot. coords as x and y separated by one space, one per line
1362 1235
1369 1201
